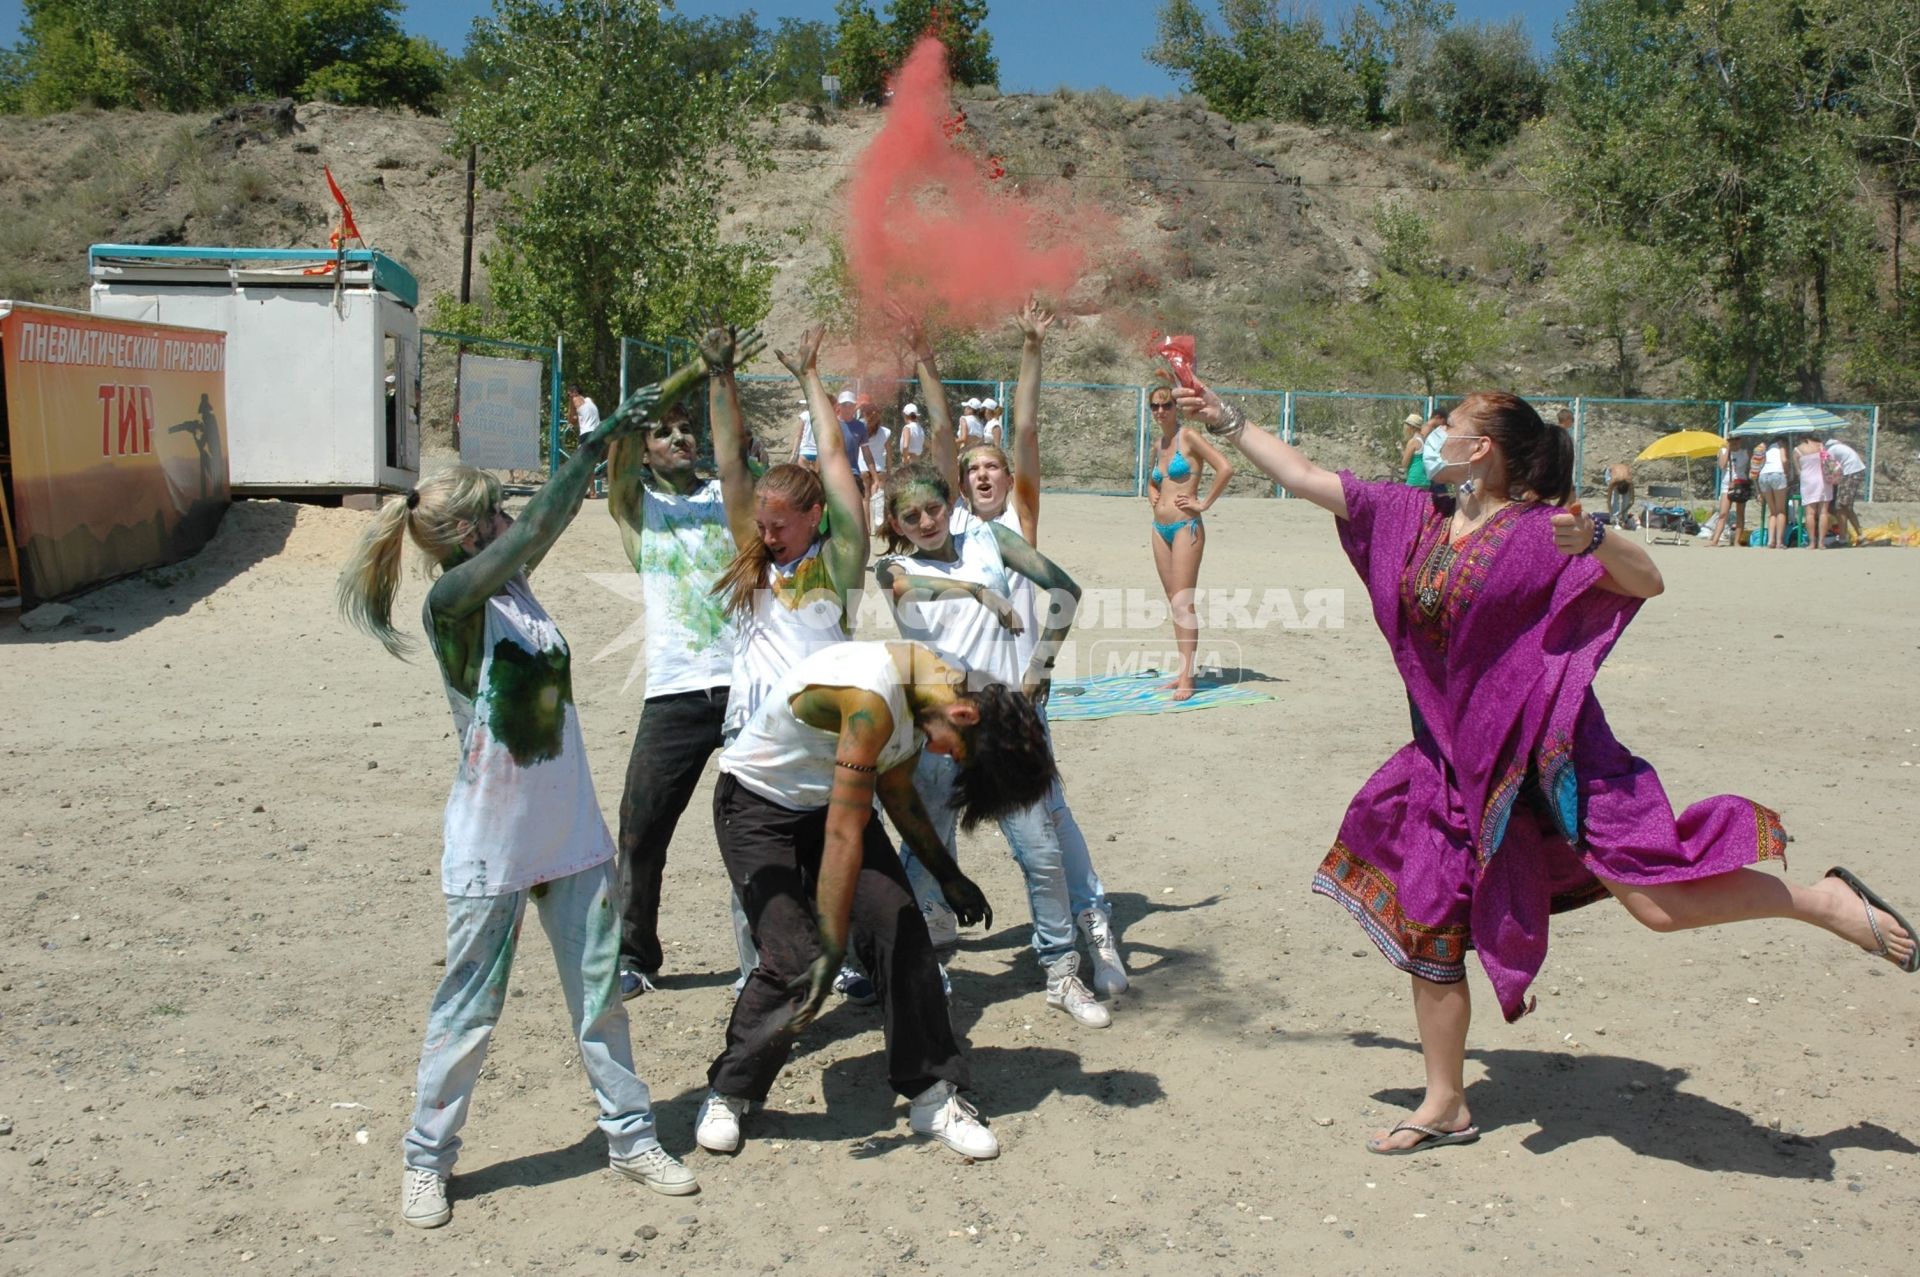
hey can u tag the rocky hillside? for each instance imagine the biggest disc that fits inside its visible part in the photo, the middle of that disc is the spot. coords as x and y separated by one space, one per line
1218 229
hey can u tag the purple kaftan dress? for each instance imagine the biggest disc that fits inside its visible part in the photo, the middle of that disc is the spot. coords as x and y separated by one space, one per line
1513 799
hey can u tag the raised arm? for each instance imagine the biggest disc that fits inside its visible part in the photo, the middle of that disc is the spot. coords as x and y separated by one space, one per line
1033 323
1281 462
846 530
466 586
1063 599
942 452
722 348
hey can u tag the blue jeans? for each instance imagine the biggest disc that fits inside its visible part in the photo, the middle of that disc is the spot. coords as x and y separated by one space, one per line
1047 845
582 924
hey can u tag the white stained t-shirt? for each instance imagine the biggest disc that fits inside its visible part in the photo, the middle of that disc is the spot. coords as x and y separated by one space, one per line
913 439
876 449
795 613
808 448
1850 462
961 628
1026 595
522 811
790 763
589 416
685 544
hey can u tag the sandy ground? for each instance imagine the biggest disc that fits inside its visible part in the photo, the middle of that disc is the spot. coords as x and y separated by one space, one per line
220 812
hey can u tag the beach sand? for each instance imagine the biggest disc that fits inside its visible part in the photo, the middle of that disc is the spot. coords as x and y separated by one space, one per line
222 926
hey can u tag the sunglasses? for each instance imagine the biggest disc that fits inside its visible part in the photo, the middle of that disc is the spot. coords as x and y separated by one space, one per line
1160 405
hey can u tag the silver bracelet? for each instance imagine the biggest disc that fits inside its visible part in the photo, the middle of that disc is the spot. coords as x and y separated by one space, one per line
1231 428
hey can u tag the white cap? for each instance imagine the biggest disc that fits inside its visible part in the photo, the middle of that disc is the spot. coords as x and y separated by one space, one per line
970 404
989 405
911 410
389 379
847 396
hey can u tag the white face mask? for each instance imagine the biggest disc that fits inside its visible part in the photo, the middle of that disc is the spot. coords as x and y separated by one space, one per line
1437 465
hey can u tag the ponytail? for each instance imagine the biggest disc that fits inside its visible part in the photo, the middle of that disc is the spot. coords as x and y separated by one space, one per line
1539 457
371 577
438 515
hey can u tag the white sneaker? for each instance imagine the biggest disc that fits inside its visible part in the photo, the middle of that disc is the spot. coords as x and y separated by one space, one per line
659 1170
718 1127
1109 970
940 1112
1065 991
423 1199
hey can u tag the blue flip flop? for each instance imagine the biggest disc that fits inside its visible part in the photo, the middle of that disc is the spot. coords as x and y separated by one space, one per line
1873 901
1430 1137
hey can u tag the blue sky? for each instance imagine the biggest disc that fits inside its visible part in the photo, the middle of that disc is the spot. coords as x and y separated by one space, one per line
1041 44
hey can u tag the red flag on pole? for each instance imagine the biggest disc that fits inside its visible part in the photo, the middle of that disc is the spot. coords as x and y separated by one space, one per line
347 227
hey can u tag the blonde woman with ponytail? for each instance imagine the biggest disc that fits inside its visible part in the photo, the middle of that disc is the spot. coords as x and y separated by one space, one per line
522 822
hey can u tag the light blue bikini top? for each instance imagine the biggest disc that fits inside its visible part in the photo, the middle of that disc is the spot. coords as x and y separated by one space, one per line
1178 468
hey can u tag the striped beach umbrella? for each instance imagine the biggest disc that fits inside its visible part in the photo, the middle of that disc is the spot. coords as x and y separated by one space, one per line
1793 419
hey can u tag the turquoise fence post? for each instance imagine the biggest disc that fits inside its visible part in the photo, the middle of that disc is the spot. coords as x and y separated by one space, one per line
554 384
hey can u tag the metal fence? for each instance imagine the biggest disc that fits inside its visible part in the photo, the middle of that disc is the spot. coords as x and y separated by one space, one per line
1095 437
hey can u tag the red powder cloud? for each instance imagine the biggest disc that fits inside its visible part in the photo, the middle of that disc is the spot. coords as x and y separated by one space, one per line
933 229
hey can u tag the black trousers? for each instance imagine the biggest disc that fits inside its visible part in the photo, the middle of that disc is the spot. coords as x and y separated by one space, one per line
773 856
677 734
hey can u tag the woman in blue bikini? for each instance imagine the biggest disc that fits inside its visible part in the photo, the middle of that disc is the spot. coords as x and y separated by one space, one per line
1173 488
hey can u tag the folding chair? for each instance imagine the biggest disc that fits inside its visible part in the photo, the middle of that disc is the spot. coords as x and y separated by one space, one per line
1665 517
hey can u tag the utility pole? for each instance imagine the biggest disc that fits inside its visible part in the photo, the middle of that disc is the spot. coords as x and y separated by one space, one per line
466 243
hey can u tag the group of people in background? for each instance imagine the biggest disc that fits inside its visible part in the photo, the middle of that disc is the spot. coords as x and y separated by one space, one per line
1828 477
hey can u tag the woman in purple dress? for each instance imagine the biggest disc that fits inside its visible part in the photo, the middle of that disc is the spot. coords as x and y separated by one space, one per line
1513 800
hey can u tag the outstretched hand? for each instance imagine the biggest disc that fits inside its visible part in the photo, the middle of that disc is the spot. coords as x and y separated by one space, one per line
724 347
1033 321
968 902
912 331
632 413
806 355
1572 530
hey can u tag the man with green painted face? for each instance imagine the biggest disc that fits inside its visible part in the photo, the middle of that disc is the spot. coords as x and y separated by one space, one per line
673 523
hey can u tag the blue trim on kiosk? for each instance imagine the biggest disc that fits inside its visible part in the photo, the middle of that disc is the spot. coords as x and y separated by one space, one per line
388 274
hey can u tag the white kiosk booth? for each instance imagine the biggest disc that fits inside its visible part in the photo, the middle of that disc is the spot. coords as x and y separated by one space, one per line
323 390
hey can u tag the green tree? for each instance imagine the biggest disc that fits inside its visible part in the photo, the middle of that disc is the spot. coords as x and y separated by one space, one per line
1710 131
1489 86
1270 61
1615 288
615 164
862 58
961 25
182 55
1430 329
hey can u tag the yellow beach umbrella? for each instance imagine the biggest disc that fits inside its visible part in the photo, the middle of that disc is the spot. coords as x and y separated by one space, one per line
1694 445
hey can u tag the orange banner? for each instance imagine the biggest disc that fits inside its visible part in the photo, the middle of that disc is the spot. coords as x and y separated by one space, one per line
118 442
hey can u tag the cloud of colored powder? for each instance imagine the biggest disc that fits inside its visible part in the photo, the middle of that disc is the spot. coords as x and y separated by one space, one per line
934 229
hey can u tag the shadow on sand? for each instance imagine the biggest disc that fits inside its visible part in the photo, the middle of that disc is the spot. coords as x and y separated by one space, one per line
1640 1106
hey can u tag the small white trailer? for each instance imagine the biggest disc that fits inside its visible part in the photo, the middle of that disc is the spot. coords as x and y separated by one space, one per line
323 392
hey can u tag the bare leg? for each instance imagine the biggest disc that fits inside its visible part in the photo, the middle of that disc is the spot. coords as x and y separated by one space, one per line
1739 523
1163 567
1746 894
1185 574
1722 528
1442 1012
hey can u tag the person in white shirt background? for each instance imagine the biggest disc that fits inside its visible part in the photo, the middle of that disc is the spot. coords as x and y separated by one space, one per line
586 413
913 436
1846 490
971 429
991 422
879 441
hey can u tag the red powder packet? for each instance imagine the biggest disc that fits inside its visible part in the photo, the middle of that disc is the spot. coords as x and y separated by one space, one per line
1178 354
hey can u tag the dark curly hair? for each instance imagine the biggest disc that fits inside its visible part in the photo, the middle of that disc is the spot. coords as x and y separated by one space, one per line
1009 758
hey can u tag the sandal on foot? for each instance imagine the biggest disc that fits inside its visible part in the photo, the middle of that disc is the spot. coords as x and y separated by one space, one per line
1430 1137
1872 902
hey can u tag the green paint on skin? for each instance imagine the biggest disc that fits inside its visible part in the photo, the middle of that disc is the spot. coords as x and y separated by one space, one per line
526 701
